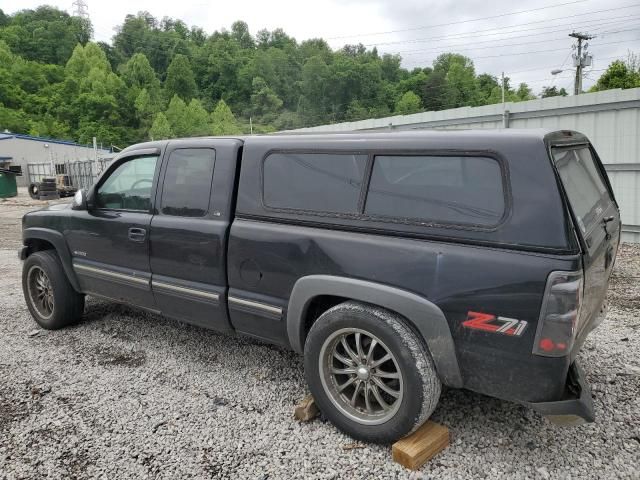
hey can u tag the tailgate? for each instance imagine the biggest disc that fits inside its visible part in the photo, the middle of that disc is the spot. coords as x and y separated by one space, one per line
597 221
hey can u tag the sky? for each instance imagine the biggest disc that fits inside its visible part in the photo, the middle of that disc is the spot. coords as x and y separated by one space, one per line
525 40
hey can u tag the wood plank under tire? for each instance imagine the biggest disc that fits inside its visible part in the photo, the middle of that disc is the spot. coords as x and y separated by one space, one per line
422 445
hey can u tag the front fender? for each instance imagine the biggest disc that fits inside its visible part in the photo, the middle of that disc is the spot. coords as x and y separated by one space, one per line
56 239
423 315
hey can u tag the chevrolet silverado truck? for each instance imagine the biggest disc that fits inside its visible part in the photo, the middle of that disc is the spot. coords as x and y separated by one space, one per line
394 262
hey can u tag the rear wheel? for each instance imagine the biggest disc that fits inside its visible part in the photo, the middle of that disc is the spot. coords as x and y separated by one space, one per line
51 299
369 373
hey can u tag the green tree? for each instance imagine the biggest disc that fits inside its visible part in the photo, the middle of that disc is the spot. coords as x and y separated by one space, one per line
178 117
415 82
46 34
314 87
618 75
180 80
264 100
553 92
356 111
461 87
145 109
486 85
408 103
219 63
159 41
4 19
160 130
240 33
84 59
524 93
222 120
434 91
138 73
198 119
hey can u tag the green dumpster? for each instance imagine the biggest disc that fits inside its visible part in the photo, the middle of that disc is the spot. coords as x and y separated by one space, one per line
8 186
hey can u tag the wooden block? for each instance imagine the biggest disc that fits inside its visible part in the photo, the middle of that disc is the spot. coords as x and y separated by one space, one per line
306 410
422 445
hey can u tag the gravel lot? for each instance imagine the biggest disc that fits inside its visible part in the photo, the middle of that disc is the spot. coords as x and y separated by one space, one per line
128 394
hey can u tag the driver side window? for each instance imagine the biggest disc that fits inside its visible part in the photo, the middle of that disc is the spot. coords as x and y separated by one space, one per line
129 185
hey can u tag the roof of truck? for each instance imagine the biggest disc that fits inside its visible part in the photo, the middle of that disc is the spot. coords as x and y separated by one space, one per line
499 136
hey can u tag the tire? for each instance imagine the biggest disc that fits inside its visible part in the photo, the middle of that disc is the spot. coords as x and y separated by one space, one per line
416 389
61 305
47 187
49 196
34 191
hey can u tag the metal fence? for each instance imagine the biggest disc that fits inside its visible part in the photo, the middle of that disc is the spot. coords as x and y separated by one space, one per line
82 174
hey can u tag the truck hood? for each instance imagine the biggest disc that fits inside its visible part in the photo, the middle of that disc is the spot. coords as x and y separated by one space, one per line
55 207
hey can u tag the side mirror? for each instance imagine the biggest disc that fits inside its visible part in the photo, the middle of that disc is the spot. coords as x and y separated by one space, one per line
79 200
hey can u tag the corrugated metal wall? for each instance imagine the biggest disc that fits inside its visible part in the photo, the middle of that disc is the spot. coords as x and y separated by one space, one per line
24 149
611 120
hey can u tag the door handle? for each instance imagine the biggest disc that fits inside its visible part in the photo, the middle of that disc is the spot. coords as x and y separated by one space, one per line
137 234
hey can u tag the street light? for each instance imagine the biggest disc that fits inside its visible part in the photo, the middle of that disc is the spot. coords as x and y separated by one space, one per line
556 71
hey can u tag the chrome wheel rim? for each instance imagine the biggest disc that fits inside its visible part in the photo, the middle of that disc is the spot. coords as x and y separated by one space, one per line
40 292
361 376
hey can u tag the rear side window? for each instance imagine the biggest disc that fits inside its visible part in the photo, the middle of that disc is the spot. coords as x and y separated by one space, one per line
439 189
187 182
585 187
321 182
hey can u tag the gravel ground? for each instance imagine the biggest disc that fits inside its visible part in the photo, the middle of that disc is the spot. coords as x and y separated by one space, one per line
127 394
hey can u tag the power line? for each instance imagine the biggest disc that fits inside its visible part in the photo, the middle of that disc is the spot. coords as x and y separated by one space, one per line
493 29
590 25
455 47
459 22
534 52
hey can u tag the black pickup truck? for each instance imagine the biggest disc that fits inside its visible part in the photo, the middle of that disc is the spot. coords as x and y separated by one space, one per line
394 262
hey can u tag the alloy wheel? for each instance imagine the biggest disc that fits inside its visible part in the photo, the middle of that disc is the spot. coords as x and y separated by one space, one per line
361 376
40 291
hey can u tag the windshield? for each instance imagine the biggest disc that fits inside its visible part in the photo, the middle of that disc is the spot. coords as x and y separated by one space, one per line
583 183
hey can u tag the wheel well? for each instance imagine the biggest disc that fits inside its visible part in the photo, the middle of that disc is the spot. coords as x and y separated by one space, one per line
322 303
317 307
37 245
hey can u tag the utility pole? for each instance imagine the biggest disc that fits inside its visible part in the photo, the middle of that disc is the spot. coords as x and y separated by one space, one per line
580 59
505 112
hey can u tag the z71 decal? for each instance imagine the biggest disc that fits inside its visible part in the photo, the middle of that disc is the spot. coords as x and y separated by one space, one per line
494 324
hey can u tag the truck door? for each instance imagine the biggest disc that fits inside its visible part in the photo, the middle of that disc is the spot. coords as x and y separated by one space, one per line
109 241
598 224
189 231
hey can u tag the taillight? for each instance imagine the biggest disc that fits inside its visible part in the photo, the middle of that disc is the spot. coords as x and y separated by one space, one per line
559 314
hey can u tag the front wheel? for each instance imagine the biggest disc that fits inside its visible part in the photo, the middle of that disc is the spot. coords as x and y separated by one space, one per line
51 299
369 373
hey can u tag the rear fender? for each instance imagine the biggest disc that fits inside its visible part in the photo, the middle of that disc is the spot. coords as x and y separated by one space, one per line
426 318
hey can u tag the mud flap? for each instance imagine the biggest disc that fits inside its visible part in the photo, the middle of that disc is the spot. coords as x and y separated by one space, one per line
576 406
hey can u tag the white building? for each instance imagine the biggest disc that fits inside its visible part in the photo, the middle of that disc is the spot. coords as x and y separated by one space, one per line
21 149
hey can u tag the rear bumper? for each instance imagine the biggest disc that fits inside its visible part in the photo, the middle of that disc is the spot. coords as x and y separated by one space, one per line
576 405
